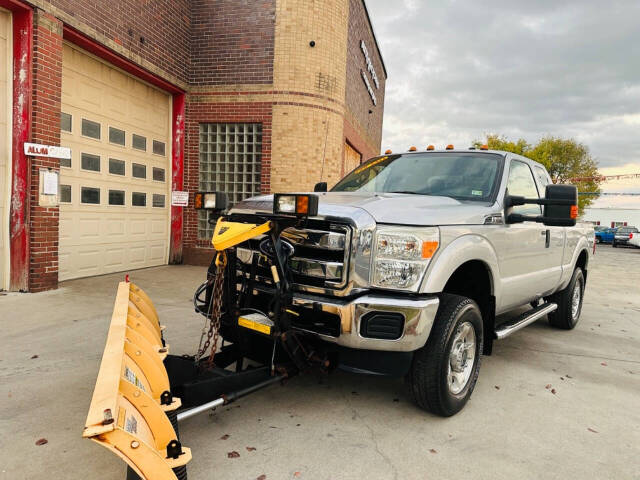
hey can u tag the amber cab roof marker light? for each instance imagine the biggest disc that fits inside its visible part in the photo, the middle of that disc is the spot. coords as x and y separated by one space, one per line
412 149
449 147
431 147
484 147
388 152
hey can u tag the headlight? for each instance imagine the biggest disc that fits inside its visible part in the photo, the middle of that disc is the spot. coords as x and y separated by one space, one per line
402 256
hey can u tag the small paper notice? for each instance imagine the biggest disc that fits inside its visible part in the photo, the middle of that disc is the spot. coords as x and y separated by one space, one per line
50 183
179 199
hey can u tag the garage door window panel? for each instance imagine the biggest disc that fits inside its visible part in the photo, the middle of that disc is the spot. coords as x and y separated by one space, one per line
116 197
90 129
139 170
138 199
159 148
139 142
90 162
230 161
65 193
116 167
158 200
158 174
116 136
66 122
90 195
65 162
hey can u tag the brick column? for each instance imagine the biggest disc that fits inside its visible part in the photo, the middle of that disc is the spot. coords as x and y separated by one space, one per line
47 90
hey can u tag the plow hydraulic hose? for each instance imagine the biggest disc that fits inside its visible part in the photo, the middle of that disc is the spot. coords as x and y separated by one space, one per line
226 399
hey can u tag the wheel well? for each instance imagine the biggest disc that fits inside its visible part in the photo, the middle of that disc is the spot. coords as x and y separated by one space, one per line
583 259
473 280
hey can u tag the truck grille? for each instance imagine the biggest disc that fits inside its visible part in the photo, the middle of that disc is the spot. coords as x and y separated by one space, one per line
320 257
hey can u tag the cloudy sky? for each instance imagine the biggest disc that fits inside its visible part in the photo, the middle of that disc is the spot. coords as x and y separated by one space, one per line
459 69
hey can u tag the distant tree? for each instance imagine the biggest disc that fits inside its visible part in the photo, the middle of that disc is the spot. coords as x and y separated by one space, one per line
498 142
566 160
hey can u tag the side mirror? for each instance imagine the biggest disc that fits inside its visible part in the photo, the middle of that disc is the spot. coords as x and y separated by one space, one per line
560 207
320 187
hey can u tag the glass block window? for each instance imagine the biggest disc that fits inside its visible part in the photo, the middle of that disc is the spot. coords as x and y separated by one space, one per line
65 122
116 167
158 147
116 136
139 142
90 162
65 193
158 200
90 129
230 158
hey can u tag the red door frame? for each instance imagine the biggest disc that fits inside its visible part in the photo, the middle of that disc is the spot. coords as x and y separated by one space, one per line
177 124
22 20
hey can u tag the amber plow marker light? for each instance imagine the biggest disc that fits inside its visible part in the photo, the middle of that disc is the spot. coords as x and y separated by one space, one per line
301 205
210 201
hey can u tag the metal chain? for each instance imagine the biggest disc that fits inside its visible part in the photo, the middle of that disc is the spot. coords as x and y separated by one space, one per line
213 333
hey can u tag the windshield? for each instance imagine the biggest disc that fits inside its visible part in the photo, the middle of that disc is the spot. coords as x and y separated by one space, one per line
464 176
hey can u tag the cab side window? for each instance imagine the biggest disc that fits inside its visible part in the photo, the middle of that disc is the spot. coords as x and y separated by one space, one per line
542 175
521 183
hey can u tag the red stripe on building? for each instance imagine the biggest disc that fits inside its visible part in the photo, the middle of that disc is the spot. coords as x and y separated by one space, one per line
21 127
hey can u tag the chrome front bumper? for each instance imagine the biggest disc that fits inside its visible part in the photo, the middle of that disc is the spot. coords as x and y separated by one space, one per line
418 313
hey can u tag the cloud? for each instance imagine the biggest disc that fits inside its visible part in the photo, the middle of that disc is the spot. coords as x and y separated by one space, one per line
459 69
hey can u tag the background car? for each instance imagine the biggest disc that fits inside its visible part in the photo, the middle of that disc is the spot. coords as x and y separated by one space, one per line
634 240
605 234
623 234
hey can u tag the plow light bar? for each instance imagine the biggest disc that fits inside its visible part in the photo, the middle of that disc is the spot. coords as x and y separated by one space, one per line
303 205
210 201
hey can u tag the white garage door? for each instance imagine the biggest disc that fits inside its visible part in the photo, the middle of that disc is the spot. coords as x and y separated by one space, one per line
114 193
6 70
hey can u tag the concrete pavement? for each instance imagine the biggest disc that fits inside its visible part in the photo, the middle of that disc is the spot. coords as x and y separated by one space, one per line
343 426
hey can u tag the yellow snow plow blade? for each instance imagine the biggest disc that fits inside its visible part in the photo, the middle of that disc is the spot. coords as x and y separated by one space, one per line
132 409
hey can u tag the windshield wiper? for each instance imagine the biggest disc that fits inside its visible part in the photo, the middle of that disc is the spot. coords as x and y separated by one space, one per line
407 192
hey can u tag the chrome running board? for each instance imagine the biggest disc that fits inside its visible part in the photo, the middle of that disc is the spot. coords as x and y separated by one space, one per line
527 318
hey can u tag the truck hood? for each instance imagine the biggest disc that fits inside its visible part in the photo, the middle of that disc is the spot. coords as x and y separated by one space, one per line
392 208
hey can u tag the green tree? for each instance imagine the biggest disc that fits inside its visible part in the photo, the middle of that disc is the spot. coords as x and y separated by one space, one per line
566 160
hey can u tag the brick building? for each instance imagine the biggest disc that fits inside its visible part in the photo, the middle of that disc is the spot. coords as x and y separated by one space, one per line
150 97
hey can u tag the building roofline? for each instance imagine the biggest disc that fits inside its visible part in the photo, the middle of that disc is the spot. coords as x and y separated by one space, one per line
375 39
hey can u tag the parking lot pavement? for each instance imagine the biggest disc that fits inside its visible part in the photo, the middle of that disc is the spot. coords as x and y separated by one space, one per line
548 403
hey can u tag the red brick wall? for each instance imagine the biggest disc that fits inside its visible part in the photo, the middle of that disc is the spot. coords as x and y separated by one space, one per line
156 31
352 136
232 42
198 251
358 100
45 129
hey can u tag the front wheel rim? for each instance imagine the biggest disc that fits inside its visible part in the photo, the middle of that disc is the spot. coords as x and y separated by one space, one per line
461 358
576 299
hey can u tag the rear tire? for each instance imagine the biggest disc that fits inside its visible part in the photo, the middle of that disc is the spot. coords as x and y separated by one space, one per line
444 372
569 303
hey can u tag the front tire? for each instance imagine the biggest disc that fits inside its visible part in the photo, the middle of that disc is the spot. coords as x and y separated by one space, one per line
444 372
569 303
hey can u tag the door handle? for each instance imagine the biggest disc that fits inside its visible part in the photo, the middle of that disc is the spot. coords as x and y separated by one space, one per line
547 239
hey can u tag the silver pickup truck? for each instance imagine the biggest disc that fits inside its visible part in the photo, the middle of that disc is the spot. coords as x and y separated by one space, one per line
411 257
